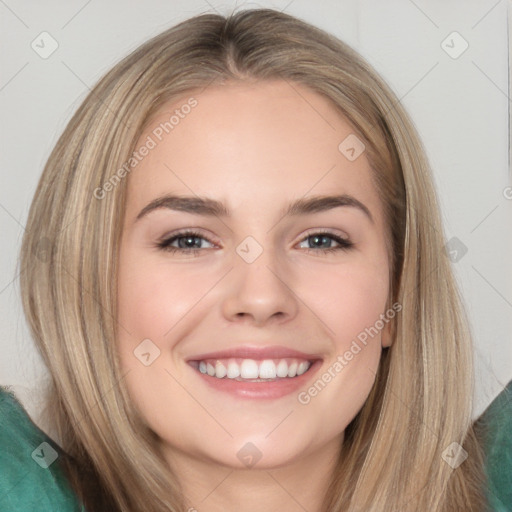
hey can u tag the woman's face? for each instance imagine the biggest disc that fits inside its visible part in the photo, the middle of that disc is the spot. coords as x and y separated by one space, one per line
255 281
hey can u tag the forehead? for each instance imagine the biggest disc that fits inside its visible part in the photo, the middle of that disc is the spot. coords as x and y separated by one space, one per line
244 143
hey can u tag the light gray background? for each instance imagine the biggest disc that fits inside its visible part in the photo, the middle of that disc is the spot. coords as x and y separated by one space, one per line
461 107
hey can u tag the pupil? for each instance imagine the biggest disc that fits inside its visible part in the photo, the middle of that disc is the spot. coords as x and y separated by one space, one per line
316 238
186 240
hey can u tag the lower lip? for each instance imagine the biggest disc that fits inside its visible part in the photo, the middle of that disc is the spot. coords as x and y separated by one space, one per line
263 390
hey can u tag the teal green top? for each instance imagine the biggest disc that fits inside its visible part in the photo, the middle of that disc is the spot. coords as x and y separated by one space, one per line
31 479
30 476
495 428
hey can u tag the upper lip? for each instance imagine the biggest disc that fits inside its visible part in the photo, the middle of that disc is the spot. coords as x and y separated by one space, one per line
254 352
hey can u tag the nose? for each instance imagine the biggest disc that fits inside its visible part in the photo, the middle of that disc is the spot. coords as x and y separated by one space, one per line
260 292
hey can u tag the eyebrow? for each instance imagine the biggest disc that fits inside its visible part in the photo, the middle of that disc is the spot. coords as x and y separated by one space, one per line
210 207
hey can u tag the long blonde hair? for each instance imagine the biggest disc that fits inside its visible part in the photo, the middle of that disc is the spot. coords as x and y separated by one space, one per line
392 456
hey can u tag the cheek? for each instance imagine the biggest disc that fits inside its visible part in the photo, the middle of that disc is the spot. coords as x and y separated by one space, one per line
350 309
348 298
153 298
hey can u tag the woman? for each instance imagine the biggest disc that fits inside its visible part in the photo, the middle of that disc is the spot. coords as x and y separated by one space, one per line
255 373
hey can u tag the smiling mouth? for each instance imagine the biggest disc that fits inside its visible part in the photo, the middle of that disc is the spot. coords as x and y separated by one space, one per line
253 370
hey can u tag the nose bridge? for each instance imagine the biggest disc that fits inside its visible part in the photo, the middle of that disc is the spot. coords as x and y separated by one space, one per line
258 263
258 283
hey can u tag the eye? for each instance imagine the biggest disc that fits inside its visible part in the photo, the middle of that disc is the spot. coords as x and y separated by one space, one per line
320 237
189 241
189 244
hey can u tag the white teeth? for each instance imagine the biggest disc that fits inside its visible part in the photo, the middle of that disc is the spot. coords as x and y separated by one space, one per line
302 367
267 369
210 370
233 370
292 369
282 369
251 369
220 370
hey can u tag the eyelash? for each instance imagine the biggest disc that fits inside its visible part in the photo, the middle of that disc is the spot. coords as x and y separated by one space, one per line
165 245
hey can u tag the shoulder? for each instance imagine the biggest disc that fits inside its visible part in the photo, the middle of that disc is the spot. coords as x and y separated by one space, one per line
30 476
494 428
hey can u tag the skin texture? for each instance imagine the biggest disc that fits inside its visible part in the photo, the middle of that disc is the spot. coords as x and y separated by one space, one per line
256 147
